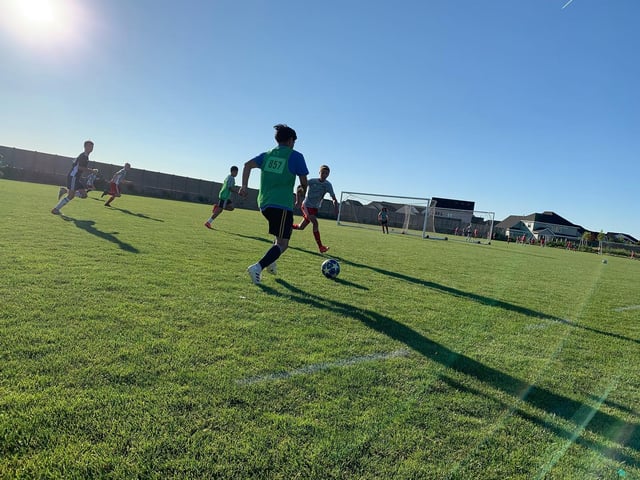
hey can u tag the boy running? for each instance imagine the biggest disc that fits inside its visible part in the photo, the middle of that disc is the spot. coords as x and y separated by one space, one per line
279 168
114 184
224 200
318 188
74 182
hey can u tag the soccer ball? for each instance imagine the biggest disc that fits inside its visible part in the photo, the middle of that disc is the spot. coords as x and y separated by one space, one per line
330 268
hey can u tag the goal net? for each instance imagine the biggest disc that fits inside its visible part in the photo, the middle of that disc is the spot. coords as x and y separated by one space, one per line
466 225
405 214
619 249
416 216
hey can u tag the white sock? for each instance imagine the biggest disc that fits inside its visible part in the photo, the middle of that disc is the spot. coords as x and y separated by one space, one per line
210 220
62 203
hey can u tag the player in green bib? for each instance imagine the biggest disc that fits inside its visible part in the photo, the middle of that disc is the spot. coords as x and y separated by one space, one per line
279 169
224 197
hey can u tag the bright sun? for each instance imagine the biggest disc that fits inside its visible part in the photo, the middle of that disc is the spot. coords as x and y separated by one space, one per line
40 22
38 12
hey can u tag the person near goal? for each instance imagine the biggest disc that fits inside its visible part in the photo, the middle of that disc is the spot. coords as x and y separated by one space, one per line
383 219
279 168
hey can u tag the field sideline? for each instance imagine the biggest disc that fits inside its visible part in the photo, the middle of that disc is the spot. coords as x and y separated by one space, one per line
134 345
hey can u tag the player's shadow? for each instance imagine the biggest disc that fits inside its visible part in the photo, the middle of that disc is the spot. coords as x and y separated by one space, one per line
128 212
557 430
88 226
270 240
140 215
337 280
250 237
347 283
492 302
581 415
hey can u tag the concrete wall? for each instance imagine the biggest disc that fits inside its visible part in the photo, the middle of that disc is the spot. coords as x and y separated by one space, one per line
38 167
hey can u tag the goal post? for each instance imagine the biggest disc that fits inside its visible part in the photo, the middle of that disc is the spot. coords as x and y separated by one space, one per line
619 249
406 215
420 216
473 226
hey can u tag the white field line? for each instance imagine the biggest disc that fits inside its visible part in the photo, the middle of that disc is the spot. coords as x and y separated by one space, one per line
317 367
622 309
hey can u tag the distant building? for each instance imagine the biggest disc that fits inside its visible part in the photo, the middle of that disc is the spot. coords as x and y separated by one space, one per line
620 237
549 225
456 214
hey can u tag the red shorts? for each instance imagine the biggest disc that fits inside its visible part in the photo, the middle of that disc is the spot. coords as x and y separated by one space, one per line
308 211
114 189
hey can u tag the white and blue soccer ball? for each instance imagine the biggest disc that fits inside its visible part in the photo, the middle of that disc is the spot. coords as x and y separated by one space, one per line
330 268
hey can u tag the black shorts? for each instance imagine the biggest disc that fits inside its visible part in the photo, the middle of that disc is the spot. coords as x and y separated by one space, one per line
224 203
280 222
75 183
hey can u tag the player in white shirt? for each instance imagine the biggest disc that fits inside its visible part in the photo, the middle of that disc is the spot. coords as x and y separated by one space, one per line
114 184
316 190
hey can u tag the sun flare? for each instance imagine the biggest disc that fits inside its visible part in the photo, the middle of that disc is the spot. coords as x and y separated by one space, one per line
47 23
37 13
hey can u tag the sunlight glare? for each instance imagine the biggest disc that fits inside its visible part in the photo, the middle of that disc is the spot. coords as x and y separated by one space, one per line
38 13
41 23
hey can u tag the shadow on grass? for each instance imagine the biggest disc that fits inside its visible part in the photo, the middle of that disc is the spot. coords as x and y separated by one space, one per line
492 302
270 241
128 212
317 254
554 429
612 428
140 215
349 284
88 226
459 293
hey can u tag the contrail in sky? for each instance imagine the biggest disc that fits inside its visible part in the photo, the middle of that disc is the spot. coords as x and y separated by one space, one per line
567 4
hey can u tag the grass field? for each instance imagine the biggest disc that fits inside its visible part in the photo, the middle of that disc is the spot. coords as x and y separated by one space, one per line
134 345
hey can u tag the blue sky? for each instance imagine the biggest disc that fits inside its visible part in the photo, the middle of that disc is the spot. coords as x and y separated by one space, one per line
519 105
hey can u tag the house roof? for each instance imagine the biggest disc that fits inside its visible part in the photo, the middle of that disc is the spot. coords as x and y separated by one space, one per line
509 222
452 204
551 218
623 236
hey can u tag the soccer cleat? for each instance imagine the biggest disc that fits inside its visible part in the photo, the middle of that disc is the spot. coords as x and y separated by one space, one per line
55 211
272 269
208 225
107 205
103 194
254 272
295 226
62 192
323 248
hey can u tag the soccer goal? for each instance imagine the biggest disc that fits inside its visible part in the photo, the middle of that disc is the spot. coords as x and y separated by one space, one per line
466 225
619 249
406 215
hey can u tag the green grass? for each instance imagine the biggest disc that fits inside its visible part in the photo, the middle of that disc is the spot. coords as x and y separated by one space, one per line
134 345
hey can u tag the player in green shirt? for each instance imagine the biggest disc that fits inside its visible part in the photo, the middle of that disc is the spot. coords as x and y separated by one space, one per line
224 197
279 169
